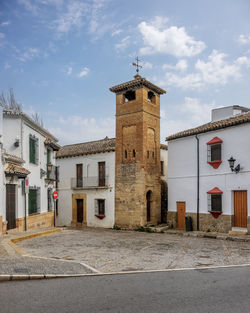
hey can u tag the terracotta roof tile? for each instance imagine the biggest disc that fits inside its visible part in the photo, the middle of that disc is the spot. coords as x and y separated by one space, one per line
91 147
138 82
232 121
14 169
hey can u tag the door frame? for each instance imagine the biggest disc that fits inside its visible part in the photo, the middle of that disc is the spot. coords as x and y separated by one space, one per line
76 196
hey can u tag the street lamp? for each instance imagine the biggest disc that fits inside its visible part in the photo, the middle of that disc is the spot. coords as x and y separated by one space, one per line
231 164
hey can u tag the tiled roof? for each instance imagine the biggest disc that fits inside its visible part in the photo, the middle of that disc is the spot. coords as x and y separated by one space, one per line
91 147
232 121
55 146
14 169
138 82
13 158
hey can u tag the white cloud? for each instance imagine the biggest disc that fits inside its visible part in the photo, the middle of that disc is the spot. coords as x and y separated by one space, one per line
73 17
84 72
116 32
147 65
123 44
216 71
69 71
244 40
180 66
74 129
5 23
172 40
29 6
191 113
243 61
29 54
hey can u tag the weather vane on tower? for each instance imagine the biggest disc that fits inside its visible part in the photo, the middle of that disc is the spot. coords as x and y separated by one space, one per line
138 66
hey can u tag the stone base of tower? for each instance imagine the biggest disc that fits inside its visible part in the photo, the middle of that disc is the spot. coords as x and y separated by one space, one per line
136 202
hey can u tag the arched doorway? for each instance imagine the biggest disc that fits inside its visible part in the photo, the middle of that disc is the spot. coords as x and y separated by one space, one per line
164 201
149 196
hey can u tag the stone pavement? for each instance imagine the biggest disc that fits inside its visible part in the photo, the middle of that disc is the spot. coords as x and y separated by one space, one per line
108 251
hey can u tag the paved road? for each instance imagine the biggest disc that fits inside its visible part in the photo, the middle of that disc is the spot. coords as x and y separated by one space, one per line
107 250
224 290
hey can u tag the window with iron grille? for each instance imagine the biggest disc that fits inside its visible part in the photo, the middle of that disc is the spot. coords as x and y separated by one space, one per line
215 202
50 200
100 207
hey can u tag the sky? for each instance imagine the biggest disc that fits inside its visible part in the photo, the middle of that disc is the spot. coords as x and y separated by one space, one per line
62 56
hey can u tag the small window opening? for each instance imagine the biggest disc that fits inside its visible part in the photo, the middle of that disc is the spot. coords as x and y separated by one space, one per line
148 154
129 95
162 168
151 96
126 154
134 153
153 154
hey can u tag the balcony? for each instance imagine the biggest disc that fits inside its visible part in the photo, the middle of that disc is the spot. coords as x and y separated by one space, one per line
93 182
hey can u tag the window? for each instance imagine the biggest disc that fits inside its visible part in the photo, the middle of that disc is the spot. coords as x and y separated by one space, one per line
153 154
79 179
214 152
101 174
134 153
148 154
151 96
33 149
34 200
162 168
129 95
215 201
100 208
126 154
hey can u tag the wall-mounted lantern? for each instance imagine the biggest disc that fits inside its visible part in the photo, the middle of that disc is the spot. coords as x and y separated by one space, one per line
17 142
49 167
42 173
231 164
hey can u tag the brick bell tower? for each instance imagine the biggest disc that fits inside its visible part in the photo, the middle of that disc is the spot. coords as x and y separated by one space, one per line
137 167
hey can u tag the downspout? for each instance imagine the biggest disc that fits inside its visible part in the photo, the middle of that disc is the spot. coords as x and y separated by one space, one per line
198 183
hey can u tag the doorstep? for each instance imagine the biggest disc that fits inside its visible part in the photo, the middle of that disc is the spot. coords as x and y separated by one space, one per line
238 231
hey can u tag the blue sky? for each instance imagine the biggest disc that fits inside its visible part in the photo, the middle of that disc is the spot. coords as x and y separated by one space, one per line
61 57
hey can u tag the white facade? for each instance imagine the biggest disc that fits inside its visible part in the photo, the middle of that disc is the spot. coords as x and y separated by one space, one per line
182 170
67 187
18 128
90 189
1 166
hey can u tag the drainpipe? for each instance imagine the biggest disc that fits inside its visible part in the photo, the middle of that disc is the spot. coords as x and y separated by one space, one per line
198 183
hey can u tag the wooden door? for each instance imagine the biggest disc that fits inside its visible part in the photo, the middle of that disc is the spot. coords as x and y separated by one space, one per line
240 209
79 207
78 175
101 171
181 211
11 206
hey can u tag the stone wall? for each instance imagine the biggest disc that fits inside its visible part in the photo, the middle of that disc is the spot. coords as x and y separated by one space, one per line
207 222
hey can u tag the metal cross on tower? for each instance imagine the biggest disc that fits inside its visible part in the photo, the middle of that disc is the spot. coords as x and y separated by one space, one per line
137 64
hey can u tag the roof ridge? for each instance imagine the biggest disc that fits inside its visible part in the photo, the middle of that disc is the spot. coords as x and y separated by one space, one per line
80 143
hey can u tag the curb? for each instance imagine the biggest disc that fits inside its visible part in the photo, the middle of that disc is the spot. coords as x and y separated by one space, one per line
51 276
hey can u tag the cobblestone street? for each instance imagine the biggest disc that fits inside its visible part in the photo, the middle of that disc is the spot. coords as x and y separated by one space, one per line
105 250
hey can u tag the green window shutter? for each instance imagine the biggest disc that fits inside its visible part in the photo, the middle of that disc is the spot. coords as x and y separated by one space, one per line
32 150
32 201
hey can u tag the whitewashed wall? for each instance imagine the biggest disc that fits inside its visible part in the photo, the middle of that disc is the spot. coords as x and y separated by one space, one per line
15 127
164 158
182 169
1 165
67 170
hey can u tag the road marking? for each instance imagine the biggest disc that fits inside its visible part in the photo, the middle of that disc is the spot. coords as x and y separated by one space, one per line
69 261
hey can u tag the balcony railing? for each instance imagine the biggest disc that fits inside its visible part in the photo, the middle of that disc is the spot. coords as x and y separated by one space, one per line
89 182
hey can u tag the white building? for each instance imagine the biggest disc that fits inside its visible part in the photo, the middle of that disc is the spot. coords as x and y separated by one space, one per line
1 170
87 181
200 179
28 151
